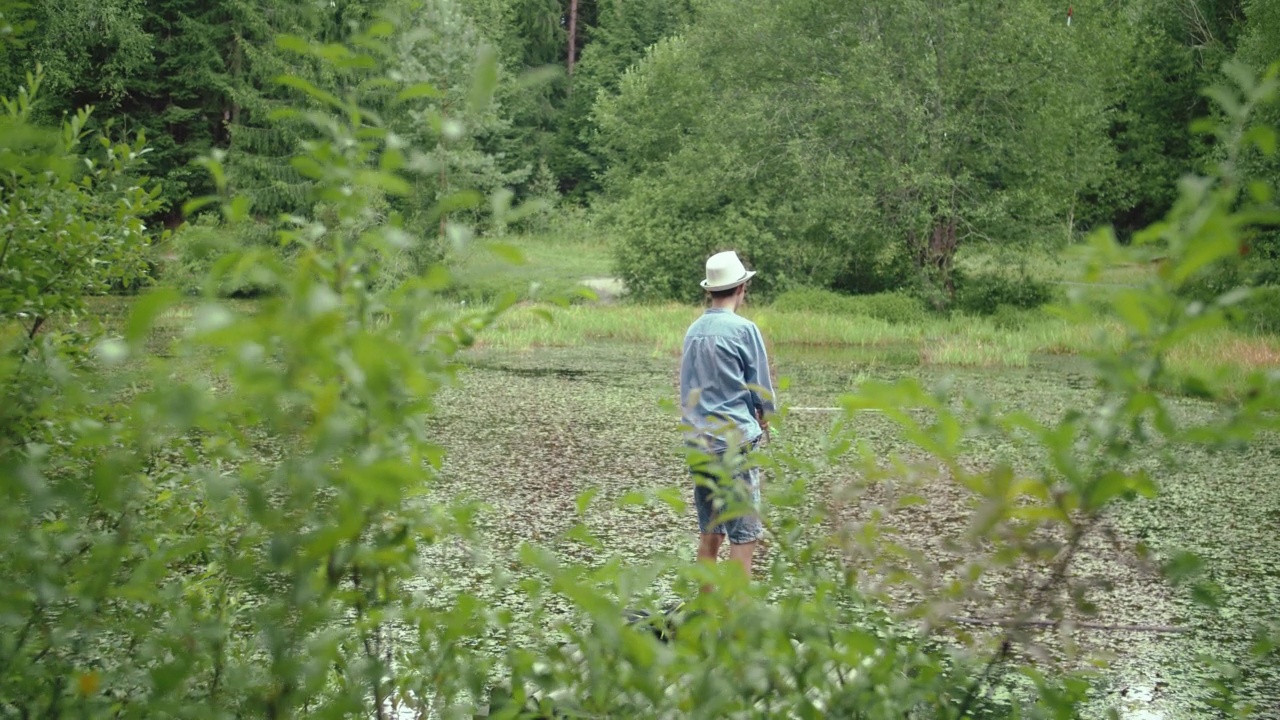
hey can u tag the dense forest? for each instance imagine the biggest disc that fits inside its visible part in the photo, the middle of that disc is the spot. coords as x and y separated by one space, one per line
850 146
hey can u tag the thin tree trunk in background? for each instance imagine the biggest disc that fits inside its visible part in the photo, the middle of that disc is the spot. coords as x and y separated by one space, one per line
444 178
444 217
231 116
573 33
936 252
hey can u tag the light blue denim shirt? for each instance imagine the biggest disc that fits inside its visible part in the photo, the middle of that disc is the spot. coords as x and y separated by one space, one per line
724 379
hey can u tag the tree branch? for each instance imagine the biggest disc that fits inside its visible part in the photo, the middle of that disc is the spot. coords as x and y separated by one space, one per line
1006 644
4 252
36 612
35 328
1012 622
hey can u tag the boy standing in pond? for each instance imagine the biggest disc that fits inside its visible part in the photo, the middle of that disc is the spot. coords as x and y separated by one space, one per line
725 394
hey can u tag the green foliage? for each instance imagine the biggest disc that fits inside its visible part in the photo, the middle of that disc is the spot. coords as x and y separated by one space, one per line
198 75
1009 317
1260 49
437 47
888 130
1236 272
1260 311
260 143
544 189
249 538
175 70
1172 56
625 30
897 307
198 249
92 49
73 214
1174 52
660 255
1257 264
165 571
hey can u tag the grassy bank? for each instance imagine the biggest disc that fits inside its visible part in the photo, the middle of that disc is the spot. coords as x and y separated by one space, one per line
1225 356
957 341
535 266
555 263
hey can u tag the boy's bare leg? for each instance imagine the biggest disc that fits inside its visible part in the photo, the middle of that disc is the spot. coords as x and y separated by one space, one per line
709 551
743 553
709 546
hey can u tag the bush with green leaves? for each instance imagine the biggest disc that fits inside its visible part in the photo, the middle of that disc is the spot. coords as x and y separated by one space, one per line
73 211
1008 317
198 247
657 253
157 565
893 307
248 539
985 293
836 142
1260 312
72 224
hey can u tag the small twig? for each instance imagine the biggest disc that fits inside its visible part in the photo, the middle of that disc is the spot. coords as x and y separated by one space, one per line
4 252
1006 645
35 328
1006 622
36 612
831 638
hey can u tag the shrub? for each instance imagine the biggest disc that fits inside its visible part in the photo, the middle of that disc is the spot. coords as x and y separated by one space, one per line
892 307
812 300
1261 311
668 225
71 212
1008 317
985 293
885 271
199 247
661 255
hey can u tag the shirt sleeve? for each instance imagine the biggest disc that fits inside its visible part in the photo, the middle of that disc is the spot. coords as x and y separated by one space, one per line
756 366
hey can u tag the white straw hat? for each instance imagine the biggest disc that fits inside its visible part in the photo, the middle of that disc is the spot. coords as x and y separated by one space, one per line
725 271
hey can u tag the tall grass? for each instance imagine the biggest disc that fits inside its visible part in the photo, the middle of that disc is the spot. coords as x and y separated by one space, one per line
957 341
664 326
1053 266
552 263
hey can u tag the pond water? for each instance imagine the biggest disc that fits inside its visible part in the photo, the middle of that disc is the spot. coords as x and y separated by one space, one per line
534 429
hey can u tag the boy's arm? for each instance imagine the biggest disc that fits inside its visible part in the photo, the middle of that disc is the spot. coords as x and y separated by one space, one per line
757 373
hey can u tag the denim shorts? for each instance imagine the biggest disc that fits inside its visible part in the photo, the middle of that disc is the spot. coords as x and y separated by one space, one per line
711 495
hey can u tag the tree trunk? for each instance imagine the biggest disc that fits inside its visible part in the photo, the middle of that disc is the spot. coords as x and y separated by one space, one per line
444 161
937 253
444 217
573 33
231 115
